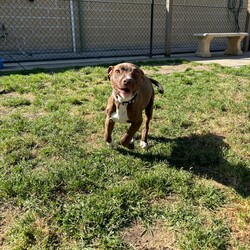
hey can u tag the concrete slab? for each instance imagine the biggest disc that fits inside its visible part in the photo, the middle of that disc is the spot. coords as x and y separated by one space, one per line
58 64
219 58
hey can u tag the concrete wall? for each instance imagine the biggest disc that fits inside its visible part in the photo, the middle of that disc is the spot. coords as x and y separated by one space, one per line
45 25
115 25
199 16
38 25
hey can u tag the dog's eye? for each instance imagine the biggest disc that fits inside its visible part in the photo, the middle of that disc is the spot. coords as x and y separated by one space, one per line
117 71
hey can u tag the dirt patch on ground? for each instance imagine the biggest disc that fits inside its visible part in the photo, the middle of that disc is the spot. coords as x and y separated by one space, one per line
157 237
169 69
238 217
8 216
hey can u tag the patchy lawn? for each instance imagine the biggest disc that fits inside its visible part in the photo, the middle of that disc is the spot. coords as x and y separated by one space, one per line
62 188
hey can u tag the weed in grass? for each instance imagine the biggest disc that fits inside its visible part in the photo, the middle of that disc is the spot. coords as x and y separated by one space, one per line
15 102
13 125
24 234
161 181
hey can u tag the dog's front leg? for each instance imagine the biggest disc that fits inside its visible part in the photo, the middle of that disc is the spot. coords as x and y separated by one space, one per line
127 138
109 123
109 126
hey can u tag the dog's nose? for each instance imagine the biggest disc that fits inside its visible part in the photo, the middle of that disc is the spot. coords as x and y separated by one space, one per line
127 81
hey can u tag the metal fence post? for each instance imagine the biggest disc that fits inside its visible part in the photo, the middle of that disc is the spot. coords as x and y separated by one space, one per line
151 29
81 25
73 33
168 27
246 42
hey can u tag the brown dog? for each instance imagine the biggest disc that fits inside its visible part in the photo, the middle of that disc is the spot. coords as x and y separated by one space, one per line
132 93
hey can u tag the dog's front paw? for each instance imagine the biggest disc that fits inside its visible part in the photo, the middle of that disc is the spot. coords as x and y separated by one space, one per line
111 144
127 142
143 144
131 145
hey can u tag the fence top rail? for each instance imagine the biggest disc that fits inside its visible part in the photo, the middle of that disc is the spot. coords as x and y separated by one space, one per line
221 34
206 6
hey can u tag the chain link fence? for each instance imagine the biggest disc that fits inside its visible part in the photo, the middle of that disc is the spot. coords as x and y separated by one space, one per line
32 30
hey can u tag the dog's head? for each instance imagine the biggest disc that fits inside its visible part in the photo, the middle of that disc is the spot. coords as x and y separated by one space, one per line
126 79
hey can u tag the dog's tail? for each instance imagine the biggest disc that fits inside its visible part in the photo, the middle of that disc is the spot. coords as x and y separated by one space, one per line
158 85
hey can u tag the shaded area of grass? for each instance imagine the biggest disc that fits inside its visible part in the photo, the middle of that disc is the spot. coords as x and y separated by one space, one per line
204 155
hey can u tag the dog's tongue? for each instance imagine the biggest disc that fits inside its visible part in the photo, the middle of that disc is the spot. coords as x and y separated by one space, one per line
125 92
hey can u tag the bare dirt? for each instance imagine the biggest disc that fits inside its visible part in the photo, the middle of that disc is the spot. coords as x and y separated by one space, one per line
169 69
156 237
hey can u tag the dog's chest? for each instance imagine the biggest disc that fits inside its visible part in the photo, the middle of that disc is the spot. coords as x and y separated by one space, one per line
121 114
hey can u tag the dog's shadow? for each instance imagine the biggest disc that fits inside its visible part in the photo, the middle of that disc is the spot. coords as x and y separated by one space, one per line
203 155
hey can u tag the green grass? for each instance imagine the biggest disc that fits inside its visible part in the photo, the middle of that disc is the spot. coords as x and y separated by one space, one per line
61 187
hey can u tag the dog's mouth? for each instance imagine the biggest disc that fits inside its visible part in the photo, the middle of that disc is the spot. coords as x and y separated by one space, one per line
125 92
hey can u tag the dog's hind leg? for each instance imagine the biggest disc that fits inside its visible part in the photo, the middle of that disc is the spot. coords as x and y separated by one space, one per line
148 112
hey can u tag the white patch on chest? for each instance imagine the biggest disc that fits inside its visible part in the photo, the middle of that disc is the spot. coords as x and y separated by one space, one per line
121 114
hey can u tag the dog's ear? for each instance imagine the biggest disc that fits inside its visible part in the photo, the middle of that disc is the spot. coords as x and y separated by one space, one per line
110 71
141 74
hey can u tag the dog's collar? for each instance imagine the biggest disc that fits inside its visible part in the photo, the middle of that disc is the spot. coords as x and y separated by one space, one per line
120 99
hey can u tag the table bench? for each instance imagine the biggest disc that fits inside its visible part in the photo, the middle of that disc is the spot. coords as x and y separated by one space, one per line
233 45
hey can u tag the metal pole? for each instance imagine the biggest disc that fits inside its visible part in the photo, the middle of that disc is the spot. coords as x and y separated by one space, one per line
73 25
81 24
168 27
151 29
246 41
